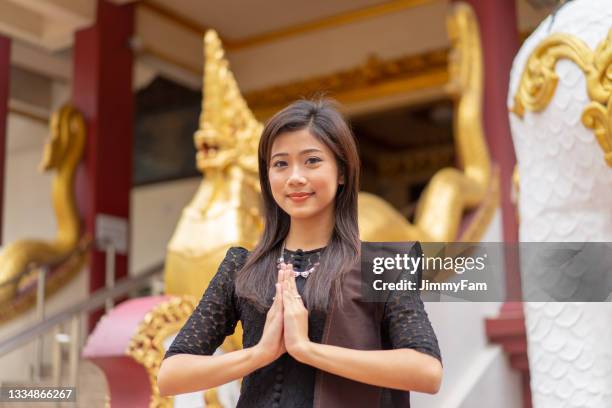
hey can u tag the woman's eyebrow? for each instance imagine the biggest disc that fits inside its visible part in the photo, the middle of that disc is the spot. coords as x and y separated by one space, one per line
305 151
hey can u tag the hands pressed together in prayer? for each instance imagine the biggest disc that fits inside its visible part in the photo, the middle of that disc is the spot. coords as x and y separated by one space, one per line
286 330
286 327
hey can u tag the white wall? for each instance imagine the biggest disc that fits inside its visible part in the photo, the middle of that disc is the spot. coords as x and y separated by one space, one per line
155 211
476 374
27 192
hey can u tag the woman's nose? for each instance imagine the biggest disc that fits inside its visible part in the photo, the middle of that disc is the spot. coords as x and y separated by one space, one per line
296 177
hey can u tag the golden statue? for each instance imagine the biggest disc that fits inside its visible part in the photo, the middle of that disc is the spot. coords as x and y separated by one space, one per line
225 210
62 153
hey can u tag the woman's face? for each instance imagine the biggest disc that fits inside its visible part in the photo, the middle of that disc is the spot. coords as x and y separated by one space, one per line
303 174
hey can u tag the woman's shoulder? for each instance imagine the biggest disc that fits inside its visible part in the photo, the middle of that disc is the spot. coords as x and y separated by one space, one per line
237 251
232 263
236 255
235 258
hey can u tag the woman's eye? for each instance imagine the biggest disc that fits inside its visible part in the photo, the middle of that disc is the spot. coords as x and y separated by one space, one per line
313 160
279 163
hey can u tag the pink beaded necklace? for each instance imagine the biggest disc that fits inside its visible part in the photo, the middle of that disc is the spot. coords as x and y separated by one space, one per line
303 274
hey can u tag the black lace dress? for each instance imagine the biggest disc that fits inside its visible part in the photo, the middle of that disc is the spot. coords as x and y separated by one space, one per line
285 382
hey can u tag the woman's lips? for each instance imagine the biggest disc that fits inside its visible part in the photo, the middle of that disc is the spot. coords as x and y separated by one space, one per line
299 197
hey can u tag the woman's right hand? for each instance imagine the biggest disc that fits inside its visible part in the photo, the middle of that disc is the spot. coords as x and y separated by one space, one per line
272 345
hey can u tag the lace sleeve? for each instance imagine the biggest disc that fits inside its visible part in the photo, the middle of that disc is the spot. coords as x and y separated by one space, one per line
215 317
405 320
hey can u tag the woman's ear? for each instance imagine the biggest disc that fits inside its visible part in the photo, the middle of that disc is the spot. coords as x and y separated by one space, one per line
341 179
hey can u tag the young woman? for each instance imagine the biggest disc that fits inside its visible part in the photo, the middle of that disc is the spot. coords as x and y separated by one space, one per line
309 174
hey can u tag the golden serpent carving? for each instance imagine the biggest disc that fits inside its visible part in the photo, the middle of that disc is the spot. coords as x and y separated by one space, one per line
451 191
62 153
539 82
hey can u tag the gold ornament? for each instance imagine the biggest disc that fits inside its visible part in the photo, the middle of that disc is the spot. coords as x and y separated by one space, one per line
539 82
147 345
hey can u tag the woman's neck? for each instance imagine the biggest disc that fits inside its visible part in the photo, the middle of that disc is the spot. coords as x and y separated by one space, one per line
310 233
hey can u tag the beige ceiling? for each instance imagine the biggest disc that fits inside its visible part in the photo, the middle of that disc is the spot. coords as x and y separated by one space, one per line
237 19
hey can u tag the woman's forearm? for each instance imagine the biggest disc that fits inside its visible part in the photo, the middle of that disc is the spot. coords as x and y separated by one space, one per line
184 373
403 369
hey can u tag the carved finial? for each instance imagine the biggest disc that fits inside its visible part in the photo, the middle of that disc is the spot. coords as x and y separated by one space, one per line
229 132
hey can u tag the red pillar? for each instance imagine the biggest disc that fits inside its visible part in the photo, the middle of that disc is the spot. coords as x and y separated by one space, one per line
500 43
102 90
5 69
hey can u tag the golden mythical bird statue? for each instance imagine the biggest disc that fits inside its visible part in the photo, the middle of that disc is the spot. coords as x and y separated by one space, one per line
62 154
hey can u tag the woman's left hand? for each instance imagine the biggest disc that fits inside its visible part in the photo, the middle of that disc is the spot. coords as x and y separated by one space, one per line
295 316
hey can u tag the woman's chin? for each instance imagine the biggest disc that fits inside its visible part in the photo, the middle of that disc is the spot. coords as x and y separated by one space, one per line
296 212
306 210
300 214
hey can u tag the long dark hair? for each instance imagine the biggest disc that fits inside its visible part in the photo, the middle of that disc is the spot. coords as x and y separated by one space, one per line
255 282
